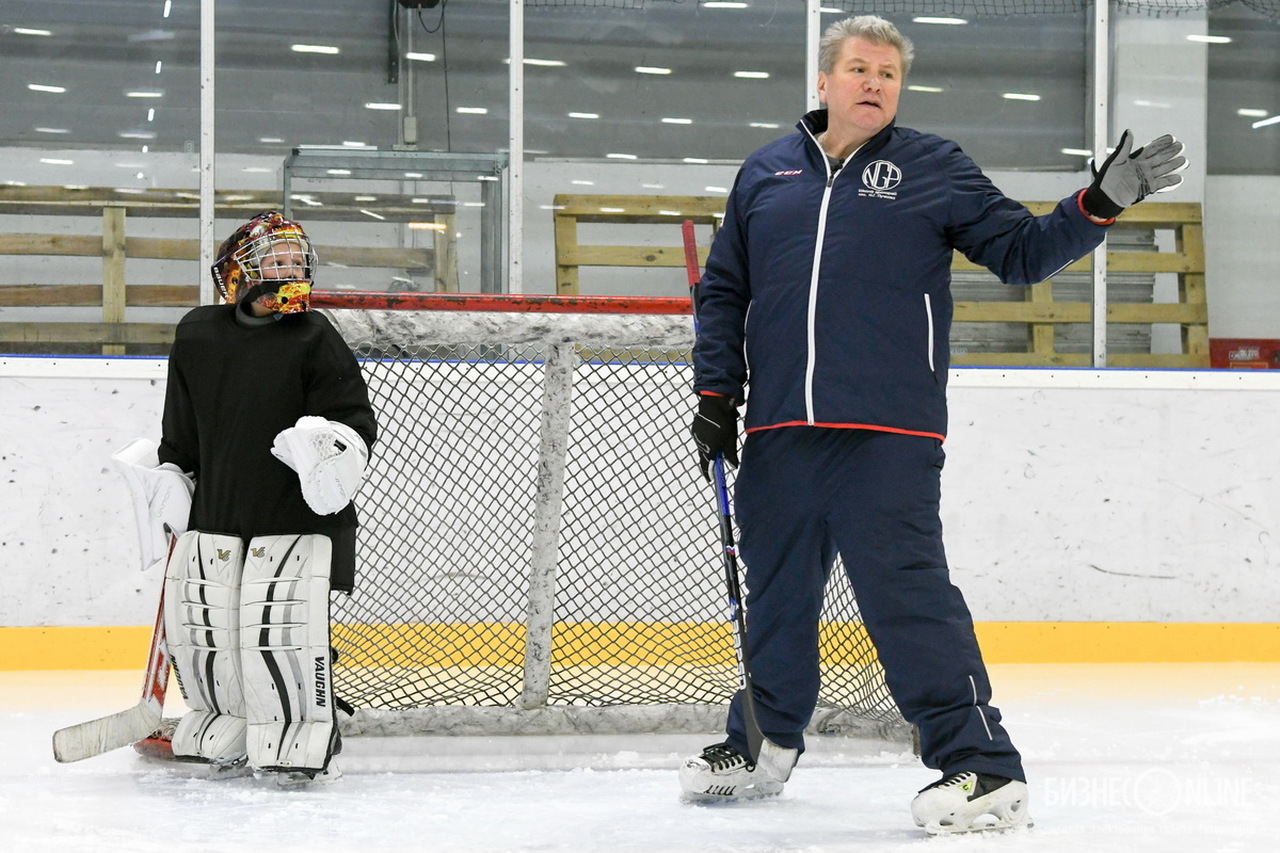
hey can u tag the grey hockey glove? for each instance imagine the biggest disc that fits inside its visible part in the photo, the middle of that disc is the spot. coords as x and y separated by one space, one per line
1126 177
715 431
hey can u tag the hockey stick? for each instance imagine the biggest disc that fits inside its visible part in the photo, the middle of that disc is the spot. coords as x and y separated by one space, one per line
761 749
94 737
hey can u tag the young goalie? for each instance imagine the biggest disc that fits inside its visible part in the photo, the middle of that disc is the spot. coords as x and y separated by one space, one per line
267 411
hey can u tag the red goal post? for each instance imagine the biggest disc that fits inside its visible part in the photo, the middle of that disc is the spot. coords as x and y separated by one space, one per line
538 552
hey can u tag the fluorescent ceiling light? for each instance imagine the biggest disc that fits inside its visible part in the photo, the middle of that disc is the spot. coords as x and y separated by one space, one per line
716 189
724 4
413 175
373 215
376 105
418 56
752 75
337 171
315 48
767 125
65 130
30 31
545 63
934 89
1078 152
945 21
352 143
151 114
1209 39
581 183
1160 105
677 121
54 161
136 134
623 156
168 7
428 226
41 87
144 93
1243 111
651 69
257 170
584 115
1019 96
159 65
473 111
697 161
1265 122
365 198
613 210
654 186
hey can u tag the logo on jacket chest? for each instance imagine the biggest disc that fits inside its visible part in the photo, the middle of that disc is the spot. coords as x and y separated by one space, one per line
880 180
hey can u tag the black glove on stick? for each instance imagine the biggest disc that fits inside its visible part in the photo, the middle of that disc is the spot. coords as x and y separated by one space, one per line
715 431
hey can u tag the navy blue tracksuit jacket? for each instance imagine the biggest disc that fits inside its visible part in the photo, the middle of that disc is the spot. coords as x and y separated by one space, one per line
828 293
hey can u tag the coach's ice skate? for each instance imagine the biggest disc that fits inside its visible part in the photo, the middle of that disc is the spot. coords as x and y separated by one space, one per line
971 802
722 774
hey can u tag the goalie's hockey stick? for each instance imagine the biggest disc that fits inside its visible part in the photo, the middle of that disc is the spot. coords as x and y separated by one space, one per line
756 741
94 737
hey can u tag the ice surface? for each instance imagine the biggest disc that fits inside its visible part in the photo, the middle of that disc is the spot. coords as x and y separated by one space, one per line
1126 758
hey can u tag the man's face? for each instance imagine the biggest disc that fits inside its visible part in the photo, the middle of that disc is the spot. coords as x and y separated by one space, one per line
861 89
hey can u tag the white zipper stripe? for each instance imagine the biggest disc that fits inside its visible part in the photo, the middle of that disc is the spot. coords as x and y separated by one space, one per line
981 715
813 302
811 331
928 314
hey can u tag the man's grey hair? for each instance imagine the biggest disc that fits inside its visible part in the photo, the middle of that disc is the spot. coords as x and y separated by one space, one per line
874 29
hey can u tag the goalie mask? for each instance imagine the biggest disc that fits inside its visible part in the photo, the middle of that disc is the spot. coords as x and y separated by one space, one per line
268 260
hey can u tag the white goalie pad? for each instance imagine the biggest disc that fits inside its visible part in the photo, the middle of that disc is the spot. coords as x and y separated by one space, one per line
288 671
329 457
202 629
161 497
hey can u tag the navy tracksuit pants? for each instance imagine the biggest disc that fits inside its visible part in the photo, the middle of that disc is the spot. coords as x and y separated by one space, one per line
804 494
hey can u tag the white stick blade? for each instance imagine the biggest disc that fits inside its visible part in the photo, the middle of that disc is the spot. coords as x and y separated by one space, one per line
85 740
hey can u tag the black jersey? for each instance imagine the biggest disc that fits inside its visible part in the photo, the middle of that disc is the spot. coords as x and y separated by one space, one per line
232 388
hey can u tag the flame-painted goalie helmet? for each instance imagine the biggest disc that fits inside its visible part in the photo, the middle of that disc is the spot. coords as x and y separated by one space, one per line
269 260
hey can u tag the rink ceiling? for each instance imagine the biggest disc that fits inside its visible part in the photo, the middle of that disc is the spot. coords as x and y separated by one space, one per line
1092 516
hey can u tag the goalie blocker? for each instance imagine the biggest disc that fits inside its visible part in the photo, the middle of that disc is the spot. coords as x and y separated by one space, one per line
249 635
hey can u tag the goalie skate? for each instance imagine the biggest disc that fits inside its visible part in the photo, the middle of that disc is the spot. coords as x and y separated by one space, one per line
971 802
158 747
722 774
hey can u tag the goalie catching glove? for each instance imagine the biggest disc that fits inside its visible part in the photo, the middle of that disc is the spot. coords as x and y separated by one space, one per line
330 458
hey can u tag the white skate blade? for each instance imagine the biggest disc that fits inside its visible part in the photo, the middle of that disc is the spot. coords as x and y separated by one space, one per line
715 795
296 780
987 823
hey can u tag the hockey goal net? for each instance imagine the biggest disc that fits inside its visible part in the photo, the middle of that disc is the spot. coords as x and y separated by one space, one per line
538 552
